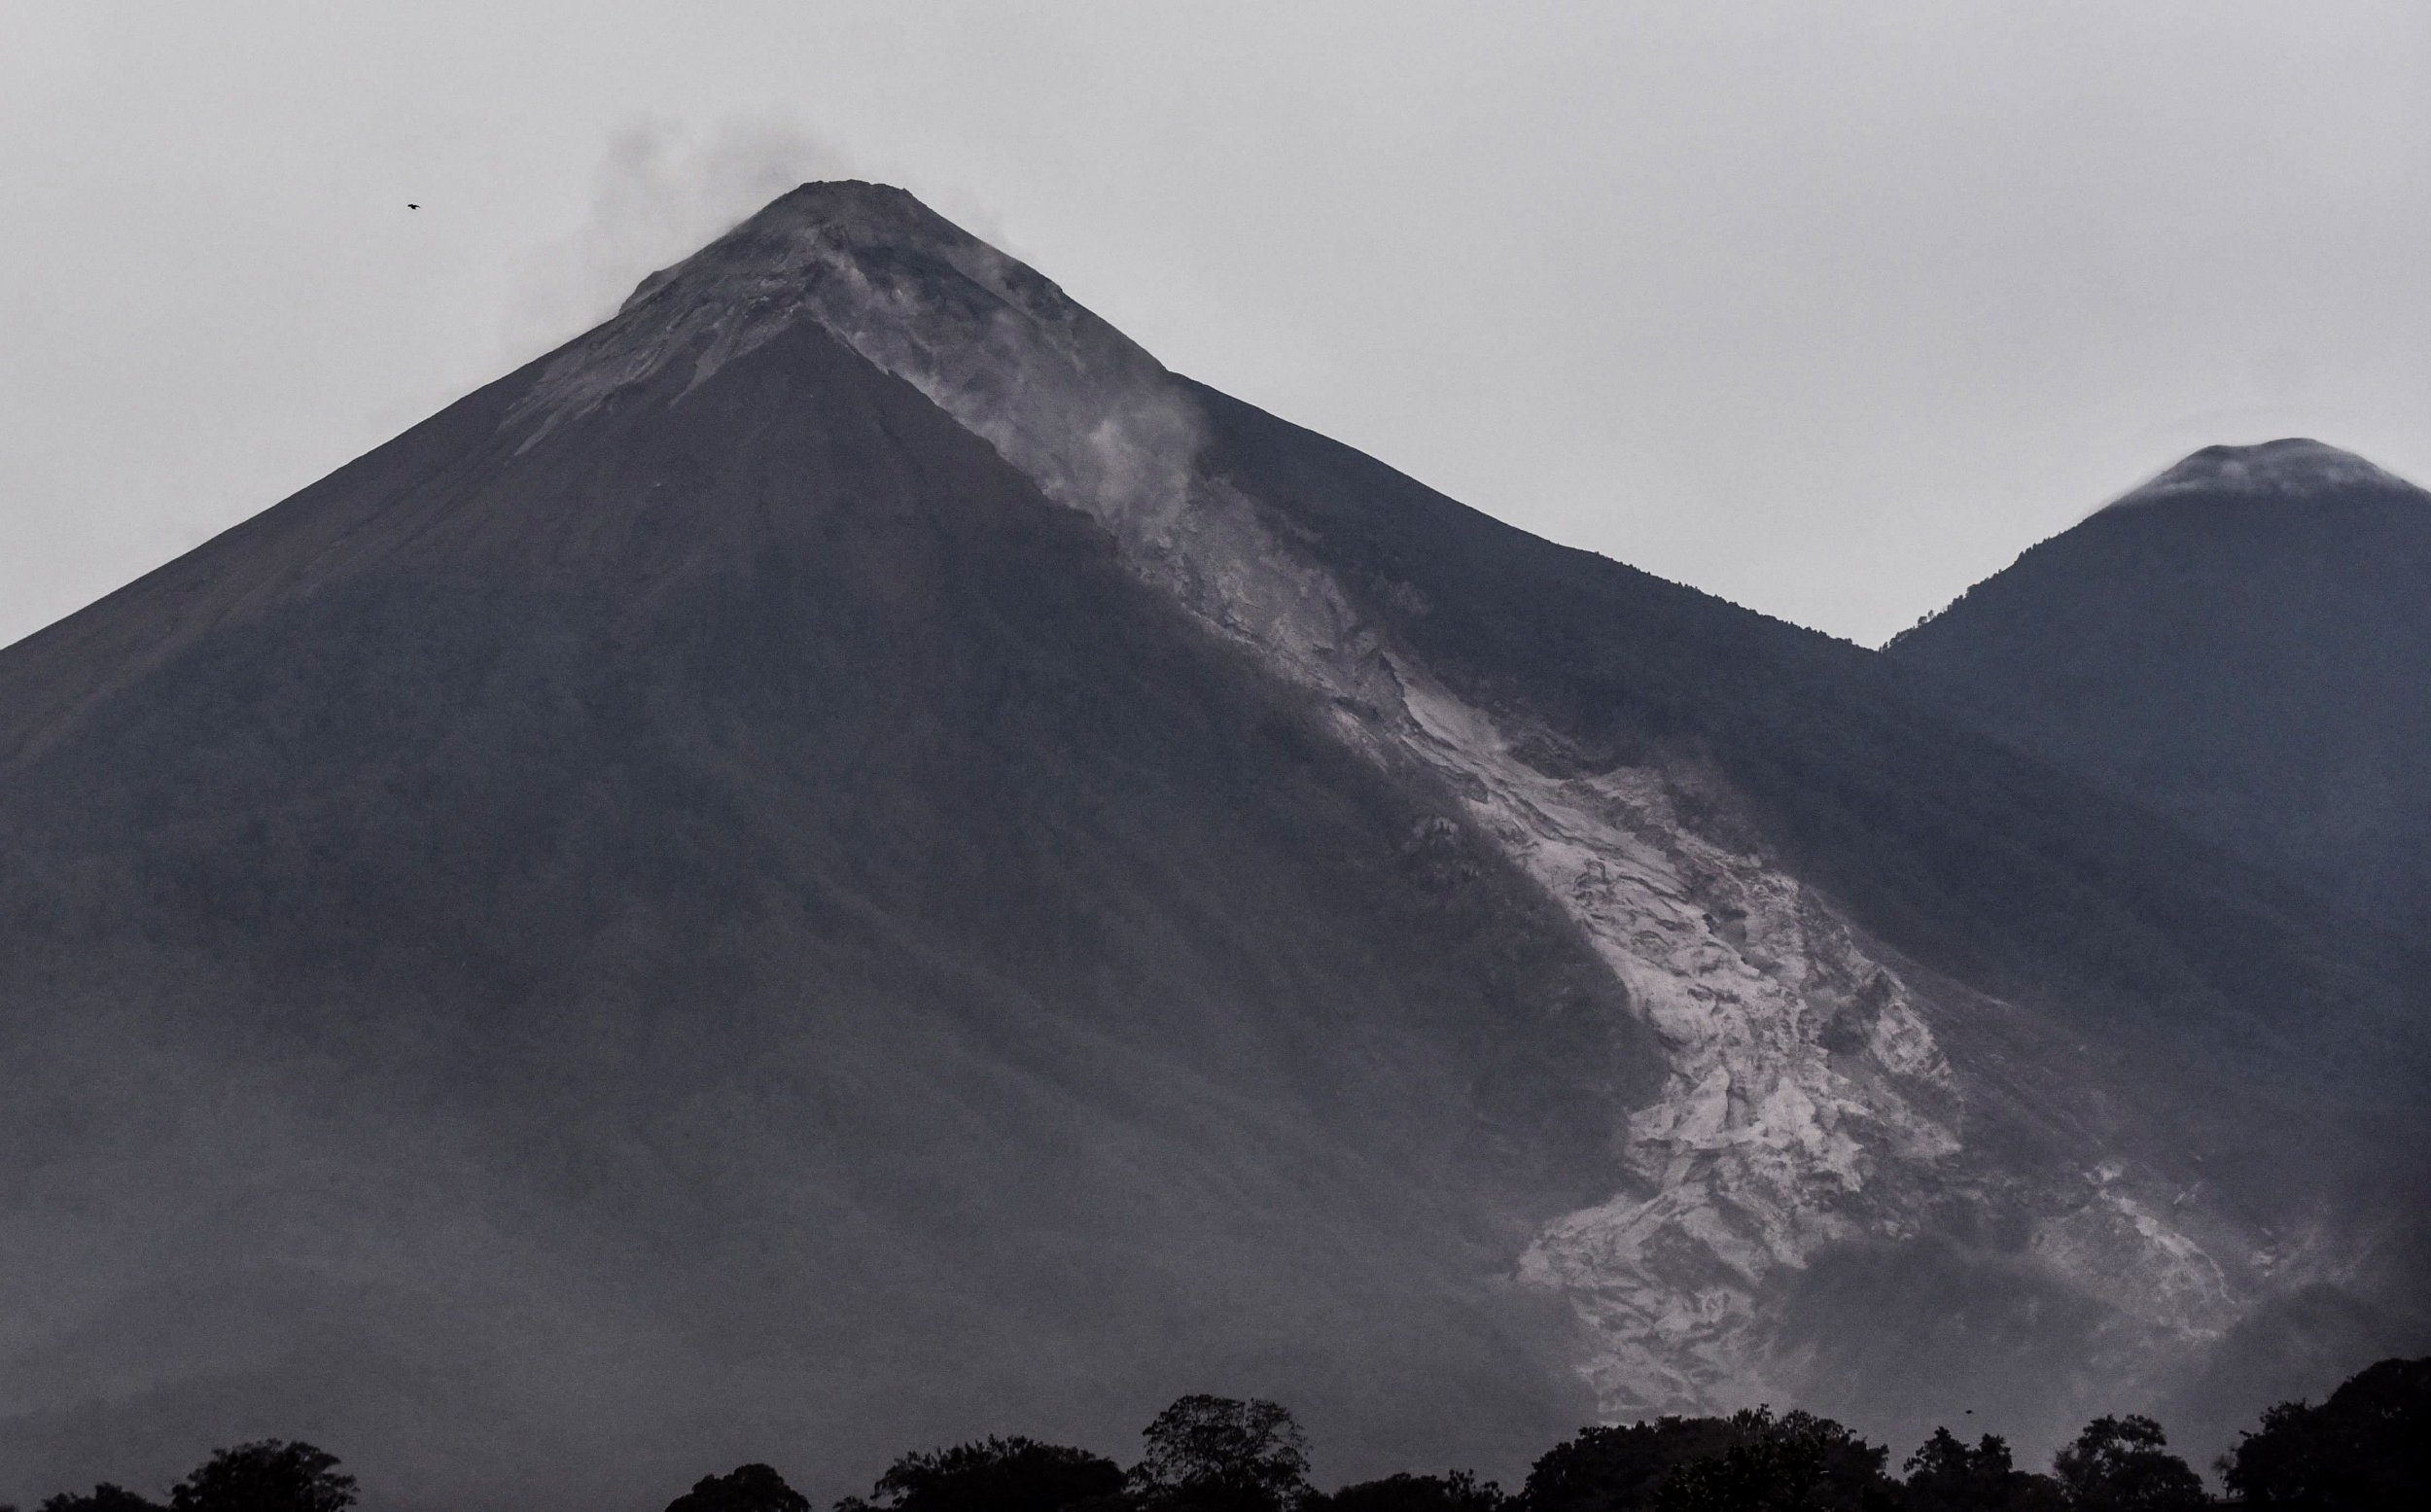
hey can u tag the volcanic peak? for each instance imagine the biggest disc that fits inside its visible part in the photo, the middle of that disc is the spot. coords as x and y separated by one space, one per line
1061 394
2291 468
846 218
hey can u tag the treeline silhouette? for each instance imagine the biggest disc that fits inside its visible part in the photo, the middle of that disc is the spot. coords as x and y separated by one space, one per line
2366 1449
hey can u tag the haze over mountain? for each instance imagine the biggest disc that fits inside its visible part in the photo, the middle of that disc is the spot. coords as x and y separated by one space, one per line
2242 644
845 862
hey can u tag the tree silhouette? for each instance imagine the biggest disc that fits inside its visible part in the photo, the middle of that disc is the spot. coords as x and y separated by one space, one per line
1456 1491
1947 1475
747 1488
2367 1449
270 1476
1796 1463
1221 1454
1618 1466
2124 1465
997 1475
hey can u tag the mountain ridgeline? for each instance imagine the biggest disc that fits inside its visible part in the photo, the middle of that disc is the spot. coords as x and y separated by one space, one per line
847 858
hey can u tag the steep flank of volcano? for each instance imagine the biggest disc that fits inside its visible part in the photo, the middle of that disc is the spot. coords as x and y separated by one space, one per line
731 923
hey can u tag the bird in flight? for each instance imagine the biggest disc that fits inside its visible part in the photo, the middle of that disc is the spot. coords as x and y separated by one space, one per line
411 205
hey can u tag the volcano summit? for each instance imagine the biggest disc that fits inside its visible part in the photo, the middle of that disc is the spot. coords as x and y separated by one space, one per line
846 860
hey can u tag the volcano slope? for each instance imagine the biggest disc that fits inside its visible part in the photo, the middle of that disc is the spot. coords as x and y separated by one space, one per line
846 863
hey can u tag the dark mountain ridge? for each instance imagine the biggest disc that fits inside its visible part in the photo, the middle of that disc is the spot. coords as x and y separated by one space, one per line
845 860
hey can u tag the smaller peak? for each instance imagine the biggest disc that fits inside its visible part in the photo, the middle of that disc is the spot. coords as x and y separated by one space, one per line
2291 466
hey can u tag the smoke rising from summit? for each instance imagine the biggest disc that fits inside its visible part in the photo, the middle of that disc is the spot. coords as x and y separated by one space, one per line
661 189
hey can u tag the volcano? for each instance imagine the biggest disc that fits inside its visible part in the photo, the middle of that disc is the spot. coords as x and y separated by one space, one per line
846 863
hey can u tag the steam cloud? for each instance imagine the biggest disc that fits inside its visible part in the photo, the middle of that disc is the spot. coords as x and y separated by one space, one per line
664 190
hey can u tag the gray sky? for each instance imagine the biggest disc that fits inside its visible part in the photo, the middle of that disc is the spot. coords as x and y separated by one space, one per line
1827 309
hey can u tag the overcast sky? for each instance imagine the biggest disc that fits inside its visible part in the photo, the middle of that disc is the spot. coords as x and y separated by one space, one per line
1830 309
